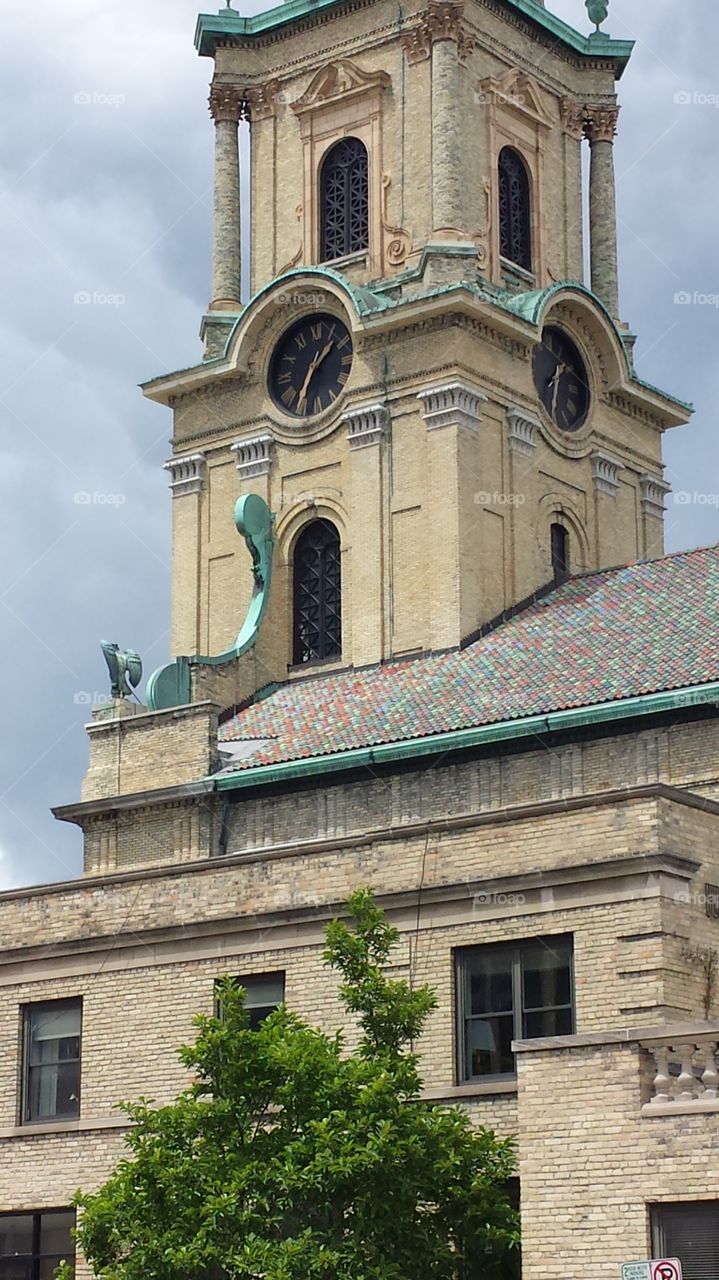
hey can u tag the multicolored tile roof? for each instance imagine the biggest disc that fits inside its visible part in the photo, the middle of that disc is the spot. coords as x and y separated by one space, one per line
645 628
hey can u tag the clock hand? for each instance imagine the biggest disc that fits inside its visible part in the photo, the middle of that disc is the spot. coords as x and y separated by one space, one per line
316 362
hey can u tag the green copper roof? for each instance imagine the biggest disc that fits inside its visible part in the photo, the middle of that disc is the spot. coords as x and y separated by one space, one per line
212 28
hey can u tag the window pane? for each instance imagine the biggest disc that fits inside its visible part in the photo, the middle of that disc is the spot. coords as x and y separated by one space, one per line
690 1232
15 1269
48 1266
265 990
54 1091
546 978
56 1232
15 1233
490 983
548 1022
258 1015
489 1046
55 1023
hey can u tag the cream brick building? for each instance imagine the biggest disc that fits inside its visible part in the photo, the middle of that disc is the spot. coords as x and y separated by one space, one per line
422 671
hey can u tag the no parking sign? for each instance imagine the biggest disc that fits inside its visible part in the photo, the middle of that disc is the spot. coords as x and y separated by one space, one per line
659 1269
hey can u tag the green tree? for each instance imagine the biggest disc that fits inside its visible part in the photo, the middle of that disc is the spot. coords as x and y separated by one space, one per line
290 1158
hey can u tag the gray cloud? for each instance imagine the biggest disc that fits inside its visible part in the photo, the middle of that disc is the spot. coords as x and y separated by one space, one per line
109 195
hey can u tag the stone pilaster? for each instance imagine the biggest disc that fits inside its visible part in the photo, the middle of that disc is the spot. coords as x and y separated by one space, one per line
226 108
450 46
367 426
600 124
187 480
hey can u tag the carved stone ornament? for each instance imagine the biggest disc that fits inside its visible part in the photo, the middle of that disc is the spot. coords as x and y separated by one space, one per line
605 473
653 492
518 92
262 100
252 457
297 258
522 429
600 122
572 114
441 21
187 473
365 425
452 404
398 241
340 79
227 103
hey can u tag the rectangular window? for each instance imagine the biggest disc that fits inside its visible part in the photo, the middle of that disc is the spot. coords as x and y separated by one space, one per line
51 1066
689 1232
508 993
263 993
32 1244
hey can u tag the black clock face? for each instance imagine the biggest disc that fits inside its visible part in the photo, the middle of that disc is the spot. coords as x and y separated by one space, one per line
310 365
560 377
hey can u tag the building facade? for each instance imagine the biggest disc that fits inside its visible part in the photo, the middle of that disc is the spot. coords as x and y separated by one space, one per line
418 668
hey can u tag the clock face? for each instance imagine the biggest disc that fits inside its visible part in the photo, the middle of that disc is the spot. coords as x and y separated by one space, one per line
310 365
560 376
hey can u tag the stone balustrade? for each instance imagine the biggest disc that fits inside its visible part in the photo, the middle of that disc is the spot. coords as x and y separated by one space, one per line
685 1072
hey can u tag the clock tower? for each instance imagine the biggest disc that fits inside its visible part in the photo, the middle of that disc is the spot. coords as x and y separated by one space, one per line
442 415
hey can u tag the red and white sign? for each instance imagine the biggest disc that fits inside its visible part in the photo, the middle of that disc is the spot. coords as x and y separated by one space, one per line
658 1269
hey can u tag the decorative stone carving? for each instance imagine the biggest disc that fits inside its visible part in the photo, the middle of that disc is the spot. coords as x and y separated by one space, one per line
252 457
653 491
441 21
518 91
482 236
522 429
398 241
261 101
187 474
600 122
572 116
341 79
605 473
227 103
294 261
366 424
452 404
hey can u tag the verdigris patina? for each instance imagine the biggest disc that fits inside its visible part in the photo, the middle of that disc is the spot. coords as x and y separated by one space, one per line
125 667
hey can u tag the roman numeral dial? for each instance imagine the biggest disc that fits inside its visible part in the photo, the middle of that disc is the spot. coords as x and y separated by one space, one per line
310 365
561 379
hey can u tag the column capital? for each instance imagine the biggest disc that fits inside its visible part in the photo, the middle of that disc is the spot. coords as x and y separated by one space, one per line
605 473
441 21
366 424
187 474
451 404
600 121
253 456
653 491
261 101
522 430
227 103
572 115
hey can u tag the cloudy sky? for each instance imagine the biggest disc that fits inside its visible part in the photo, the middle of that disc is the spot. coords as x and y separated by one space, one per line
105 198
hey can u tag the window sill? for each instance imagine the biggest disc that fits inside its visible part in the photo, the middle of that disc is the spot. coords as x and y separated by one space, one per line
47 1128
514 275
357 259
319 666
476 1089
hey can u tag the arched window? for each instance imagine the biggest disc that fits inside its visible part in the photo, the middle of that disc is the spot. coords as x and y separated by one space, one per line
560 552
317 593
344 203
515 209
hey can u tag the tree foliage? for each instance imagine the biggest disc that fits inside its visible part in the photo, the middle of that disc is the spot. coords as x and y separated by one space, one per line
291 1158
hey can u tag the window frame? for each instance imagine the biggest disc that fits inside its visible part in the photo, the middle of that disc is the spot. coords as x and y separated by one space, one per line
660 1246
323 629
515 950
28 1011
529 267
324 167
36 1257
242 980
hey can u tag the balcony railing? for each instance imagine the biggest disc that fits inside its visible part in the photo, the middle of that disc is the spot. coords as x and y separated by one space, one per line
686 1073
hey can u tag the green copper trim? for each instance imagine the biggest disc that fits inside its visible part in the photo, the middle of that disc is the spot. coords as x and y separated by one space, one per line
213 28
484 735
171 686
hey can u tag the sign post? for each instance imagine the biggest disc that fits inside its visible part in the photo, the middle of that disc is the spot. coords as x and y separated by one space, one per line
659 1269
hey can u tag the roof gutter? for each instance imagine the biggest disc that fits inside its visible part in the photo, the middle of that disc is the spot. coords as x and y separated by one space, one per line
460 739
